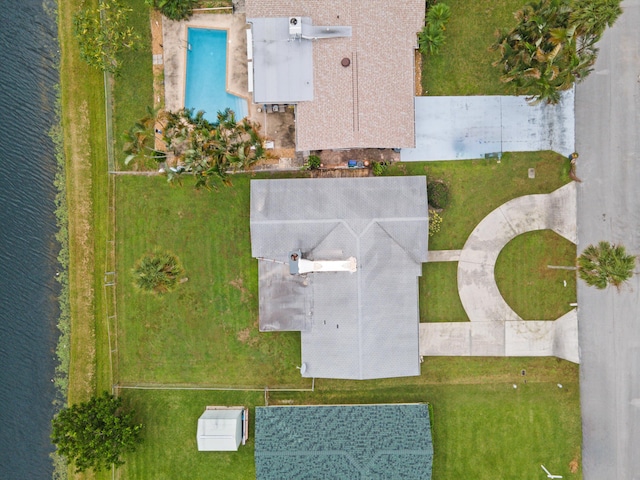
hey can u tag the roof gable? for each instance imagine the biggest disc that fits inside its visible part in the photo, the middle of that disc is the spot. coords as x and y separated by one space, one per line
351 323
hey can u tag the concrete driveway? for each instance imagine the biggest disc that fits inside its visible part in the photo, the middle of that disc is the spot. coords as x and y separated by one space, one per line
463 128
494 328
608 140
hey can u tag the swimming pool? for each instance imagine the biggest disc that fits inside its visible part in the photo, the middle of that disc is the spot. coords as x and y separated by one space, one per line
206 77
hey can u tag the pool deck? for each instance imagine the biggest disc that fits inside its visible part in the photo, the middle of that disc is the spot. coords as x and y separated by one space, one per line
278 127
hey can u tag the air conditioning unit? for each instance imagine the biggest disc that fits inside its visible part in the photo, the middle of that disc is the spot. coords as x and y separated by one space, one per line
295 26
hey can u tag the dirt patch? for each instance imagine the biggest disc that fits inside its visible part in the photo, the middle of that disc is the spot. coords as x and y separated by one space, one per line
334 158
238 283
574 465
418 73
246 336
157 48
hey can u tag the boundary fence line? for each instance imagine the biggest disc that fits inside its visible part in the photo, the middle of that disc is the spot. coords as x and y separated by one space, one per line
222 389
110 275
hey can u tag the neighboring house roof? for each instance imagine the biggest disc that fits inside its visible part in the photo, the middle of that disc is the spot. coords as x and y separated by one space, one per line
353 325
220 429
370 102
346 442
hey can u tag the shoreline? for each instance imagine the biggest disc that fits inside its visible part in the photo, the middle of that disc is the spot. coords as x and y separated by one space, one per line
83 147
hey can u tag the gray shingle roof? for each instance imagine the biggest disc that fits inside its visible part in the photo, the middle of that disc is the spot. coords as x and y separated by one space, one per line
346 442
371 102
354 325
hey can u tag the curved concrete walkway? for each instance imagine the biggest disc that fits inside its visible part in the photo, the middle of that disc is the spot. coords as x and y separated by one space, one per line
495 329
476 282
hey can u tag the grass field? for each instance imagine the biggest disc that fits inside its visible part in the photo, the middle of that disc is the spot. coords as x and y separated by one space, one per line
463 66
204 332
534 291
483 427
135 81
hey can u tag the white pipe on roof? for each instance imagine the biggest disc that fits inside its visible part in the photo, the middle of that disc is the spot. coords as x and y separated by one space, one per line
249 44
308 266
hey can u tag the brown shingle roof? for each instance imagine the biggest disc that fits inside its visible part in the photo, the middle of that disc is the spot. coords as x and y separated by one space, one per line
371 102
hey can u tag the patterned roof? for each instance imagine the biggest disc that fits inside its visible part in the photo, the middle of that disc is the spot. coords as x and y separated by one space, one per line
370 102
349 442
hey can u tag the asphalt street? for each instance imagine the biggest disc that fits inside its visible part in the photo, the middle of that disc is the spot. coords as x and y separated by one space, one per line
608 141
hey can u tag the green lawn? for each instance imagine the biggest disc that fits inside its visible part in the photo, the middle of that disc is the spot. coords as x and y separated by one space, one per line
483 427
169 450
135 80
439 299
463 66
206 331
534 291
211 320
477 187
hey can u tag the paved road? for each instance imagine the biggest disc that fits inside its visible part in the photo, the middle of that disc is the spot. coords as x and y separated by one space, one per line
608 140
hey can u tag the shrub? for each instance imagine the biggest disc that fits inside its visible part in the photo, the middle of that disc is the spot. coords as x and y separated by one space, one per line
438 194
379 168
435 222
431 38
173 9
157 272
313 162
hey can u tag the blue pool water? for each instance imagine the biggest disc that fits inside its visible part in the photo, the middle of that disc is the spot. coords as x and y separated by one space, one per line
206 80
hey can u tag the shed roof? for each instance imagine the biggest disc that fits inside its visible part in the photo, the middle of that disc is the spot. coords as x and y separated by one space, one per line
352 324
219 430
345 441
370 102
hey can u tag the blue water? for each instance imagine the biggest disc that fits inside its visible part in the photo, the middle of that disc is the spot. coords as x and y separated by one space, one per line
206 80
28 249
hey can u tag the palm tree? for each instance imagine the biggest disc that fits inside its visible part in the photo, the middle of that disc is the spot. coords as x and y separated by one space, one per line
212 149
141 134
157 272
552 46
173 9
591 17
604 264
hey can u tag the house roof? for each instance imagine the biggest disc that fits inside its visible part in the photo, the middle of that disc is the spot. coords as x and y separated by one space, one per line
346 442
282 69
219 430
351 323
370 102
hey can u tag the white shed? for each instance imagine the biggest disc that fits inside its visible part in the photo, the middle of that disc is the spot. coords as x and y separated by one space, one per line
222 428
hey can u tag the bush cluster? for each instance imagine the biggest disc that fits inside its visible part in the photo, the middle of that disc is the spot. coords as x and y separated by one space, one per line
438 194
313 162
431 38
379 168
